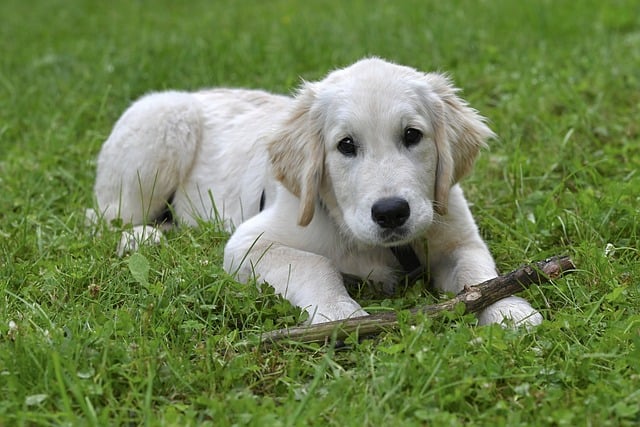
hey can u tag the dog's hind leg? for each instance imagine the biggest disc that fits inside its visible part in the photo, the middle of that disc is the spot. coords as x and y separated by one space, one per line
148 155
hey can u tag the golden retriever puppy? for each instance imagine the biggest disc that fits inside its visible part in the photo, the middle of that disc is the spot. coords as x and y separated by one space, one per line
354 175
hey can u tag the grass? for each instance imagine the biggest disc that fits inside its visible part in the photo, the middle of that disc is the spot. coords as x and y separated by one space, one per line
161 338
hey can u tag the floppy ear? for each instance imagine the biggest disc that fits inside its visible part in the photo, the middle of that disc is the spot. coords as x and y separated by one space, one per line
297 153
459 133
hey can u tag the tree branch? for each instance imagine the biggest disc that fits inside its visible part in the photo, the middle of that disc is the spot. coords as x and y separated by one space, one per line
474 298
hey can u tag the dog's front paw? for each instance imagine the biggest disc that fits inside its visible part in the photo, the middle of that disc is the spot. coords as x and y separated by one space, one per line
510 311
337 310
139 235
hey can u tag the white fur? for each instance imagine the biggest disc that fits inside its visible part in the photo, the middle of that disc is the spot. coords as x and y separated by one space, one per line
215 151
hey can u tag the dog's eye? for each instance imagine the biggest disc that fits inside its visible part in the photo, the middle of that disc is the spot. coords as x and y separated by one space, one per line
411 137
347 147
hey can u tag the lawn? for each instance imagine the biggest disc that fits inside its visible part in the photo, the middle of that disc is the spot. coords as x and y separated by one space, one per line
164 337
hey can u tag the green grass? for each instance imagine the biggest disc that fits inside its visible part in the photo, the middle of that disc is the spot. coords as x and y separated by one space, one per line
87 338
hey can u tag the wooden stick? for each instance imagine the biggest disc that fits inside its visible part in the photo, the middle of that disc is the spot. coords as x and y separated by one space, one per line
474 298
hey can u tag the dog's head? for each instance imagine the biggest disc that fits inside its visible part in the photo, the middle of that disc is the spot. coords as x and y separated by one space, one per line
380 145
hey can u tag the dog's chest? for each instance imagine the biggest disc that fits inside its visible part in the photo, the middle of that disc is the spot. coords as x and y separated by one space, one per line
377 265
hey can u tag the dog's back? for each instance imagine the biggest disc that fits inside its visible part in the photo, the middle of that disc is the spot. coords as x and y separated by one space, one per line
204 152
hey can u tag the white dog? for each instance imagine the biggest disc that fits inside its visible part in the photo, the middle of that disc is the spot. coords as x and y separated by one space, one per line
354 175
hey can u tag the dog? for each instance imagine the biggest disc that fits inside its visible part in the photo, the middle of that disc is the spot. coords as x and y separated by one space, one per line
353 175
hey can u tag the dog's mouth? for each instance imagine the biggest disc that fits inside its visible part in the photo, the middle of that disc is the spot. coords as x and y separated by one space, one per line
395 237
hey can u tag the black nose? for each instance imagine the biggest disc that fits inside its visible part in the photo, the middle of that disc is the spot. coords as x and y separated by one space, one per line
390 212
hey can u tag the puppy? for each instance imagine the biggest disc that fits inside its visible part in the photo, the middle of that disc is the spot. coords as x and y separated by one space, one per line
354 175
